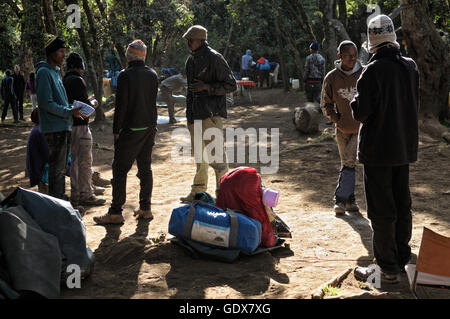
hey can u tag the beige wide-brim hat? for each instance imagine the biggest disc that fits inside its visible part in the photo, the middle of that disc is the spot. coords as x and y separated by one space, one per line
196 32
381 30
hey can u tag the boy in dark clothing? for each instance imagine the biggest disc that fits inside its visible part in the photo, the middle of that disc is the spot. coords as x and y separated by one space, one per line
8 96
82 190
134 128
387 104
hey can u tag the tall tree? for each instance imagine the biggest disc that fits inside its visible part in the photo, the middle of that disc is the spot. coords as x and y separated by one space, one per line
281 52
430 51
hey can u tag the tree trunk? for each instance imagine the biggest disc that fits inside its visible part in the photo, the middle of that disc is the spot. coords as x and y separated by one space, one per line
99 113
230 35
281 53
343 12
113 40
49 17
297 55
329 44
301 17
430 52
33 29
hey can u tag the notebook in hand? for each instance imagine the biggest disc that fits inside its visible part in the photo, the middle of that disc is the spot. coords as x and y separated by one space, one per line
85 109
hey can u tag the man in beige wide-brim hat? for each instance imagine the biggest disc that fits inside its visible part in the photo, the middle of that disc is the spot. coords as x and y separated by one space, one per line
209 79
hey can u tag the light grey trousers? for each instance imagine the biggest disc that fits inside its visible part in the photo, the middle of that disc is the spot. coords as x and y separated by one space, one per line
81 165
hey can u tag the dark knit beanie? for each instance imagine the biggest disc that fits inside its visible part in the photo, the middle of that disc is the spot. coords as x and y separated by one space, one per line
54 44
74 61
314 46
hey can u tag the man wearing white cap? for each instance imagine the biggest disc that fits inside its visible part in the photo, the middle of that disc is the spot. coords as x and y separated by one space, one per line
387 104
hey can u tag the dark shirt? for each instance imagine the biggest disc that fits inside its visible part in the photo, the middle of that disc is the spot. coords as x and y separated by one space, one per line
19 84
137 87
387 105
210 67
76 89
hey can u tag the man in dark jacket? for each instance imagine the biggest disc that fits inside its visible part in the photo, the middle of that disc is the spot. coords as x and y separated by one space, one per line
81 188
134 128
209 79
19 90
8 96
387 104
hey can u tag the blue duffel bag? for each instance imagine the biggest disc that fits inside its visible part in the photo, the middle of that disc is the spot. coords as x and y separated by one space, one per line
212 226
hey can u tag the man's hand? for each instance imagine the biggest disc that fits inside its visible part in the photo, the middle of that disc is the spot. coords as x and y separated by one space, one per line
78 114
198 86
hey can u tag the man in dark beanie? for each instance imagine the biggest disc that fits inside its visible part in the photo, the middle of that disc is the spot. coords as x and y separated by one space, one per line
387 104
55 114
134 129
209 79
81 188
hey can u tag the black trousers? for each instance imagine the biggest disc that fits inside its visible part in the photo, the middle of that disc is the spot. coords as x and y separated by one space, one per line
389 210
59 148
132 146
10 101
19 104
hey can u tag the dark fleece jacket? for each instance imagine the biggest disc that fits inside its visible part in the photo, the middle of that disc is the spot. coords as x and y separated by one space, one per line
387 105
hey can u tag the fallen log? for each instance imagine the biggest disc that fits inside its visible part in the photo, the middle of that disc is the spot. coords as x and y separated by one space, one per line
336 281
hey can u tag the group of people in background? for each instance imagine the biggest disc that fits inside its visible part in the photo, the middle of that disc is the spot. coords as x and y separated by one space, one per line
259 71
12 89
374 108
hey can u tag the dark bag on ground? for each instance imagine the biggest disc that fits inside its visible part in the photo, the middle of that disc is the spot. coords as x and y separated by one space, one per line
58 218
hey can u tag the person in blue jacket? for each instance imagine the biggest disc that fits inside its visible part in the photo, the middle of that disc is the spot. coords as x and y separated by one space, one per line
55 114
263 66
247 64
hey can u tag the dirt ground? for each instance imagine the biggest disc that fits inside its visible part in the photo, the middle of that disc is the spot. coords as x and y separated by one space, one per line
130 265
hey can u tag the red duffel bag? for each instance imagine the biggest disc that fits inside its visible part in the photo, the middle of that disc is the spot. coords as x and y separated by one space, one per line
240 189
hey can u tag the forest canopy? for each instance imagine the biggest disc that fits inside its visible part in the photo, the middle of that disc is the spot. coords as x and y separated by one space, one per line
279 30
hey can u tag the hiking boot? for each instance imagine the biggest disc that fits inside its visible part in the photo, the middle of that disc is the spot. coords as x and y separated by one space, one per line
351 205
98 190
92 201
109 219
188 199
98 181
339 208
172 121
143 214
363 273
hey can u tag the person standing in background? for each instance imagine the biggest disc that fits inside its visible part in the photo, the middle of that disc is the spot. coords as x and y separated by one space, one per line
8 96
31 87
314 73
19 90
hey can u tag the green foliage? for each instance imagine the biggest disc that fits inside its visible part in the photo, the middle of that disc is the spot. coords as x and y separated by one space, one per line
161 24
331 291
